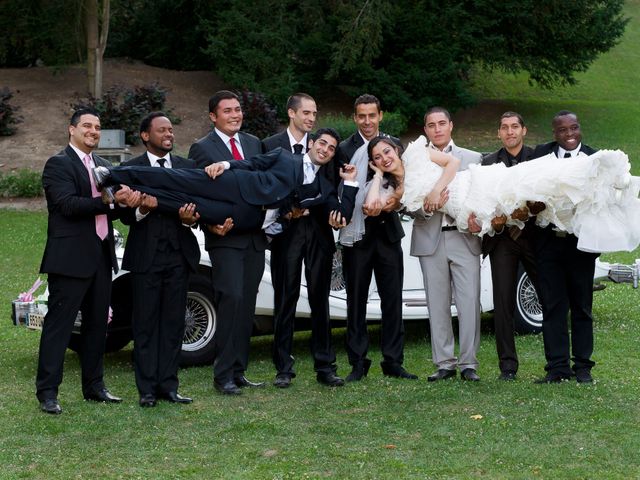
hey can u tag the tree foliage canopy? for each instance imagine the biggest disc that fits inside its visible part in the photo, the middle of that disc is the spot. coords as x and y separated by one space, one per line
412 54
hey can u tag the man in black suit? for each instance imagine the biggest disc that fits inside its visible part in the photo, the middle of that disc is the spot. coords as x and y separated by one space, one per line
309 239
237 259
302 112
161 251
78 259
508 247
565 275
379 252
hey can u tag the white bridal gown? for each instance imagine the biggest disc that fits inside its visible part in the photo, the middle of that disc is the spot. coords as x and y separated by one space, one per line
593 197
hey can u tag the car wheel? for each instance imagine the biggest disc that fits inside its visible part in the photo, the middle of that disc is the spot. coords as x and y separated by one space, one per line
527 316
119 328
200 324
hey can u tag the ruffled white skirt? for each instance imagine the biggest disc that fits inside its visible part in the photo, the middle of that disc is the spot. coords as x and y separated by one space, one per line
593 197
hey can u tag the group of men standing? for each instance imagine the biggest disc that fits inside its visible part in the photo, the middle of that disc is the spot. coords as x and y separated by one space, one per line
161 253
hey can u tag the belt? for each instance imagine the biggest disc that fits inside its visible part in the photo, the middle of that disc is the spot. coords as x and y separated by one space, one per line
449 228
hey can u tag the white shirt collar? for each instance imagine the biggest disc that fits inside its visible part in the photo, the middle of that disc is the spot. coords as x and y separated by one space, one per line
366 142
574 153
225 138
304 142
153 160
447 149
81 154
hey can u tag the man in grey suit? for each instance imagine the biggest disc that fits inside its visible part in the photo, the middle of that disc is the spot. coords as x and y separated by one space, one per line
447 255
237 258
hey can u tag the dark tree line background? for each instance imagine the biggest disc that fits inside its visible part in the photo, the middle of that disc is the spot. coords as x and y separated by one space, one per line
411 53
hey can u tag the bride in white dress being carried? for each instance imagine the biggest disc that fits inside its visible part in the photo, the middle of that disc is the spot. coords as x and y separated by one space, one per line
593 197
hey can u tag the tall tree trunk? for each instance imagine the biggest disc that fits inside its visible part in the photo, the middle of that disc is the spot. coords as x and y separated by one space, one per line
97 27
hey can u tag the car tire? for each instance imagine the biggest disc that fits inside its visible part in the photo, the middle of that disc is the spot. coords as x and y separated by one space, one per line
527 316
200 323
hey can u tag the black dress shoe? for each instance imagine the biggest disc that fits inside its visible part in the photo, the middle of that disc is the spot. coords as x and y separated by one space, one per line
552 378
398 372
244 382
227 388
470 375
100 176
283 380
175 397
584 376
147 400
441 374
507 375
359 371
329 379
51 405
102 396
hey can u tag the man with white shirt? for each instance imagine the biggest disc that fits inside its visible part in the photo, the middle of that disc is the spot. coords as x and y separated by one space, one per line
161 252
565 275
449 256
237 258
309 239
302 112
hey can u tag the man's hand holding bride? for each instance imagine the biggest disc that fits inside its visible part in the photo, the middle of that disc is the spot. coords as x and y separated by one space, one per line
435 200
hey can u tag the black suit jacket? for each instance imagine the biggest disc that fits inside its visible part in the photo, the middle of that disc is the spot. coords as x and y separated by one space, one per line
210 149
144 235
501 156
388 220
72 244
282 140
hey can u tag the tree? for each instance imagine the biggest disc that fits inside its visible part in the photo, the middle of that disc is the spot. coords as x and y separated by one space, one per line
97 30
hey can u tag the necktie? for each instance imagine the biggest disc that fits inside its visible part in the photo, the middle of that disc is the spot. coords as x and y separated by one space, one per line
234 149
297 149
567 155
102 227
309 172
161 162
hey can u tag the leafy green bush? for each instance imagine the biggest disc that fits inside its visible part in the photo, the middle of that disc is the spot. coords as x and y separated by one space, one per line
260 117
20 183
392 123
123 108
8 117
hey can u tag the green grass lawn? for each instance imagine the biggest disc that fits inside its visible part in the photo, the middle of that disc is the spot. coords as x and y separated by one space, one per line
378 428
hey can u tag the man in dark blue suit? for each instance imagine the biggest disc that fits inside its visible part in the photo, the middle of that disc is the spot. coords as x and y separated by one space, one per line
161 252
309 239
565 275
78 258
302 112
237 258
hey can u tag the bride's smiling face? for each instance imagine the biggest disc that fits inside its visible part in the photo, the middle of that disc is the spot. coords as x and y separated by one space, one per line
385 157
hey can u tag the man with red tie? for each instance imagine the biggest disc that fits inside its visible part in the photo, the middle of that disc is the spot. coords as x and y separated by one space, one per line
237 258
78 259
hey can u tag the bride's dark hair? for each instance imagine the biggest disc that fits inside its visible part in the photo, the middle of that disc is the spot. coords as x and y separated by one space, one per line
388 177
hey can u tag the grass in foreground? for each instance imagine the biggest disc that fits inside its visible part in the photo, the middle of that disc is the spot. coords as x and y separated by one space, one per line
378 428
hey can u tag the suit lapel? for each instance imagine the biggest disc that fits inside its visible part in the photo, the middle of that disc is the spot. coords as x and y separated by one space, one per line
221 152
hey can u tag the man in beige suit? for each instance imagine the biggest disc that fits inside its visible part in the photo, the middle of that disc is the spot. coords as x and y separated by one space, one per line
447 255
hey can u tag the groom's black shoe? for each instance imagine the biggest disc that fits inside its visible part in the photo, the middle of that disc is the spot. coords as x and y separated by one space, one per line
100 176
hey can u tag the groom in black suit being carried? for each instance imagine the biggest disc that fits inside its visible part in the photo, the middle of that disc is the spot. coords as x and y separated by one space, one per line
565 275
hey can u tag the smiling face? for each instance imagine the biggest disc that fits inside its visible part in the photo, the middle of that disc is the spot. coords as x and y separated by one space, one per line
385 157
228 116
303 119
566 131
322 150
159 138
512 134
438 128
86 134
367 118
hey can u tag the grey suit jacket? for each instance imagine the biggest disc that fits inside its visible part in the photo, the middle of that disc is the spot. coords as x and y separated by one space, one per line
427 228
